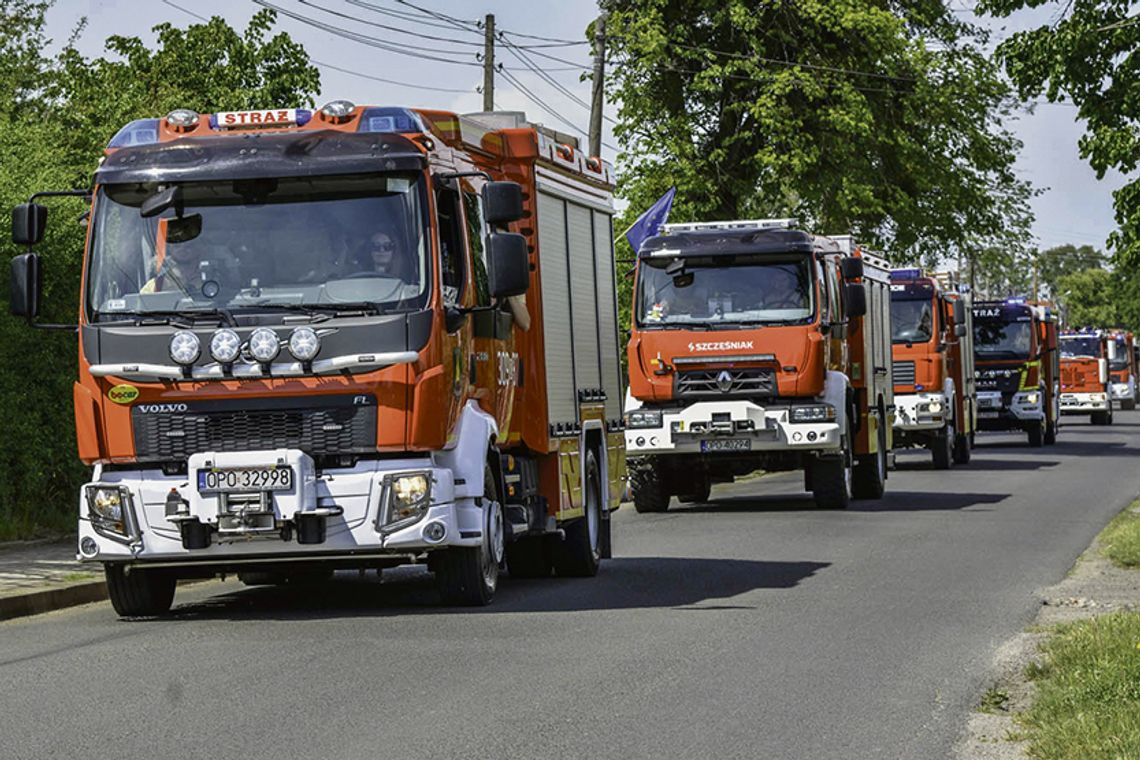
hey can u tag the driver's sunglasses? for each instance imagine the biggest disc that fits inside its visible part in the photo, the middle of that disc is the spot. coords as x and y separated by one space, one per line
384 247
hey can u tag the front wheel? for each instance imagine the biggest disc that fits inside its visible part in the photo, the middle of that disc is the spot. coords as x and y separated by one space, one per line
942 447
1036 433
138 592
962 449
869 478
701 490
831 482
580 553
469 575
1050 433
649 491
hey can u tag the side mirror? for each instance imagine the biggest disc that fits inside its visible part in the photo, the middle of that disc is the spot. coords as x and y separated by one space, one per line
1112 350
960 314
508 267
851 267
26 286
1102 370
960 329
28 223
502 202
158 202
856 299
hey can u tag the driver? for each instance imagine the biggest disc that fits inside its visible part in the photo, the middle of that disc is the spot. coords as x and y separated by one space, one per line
379 255
181 270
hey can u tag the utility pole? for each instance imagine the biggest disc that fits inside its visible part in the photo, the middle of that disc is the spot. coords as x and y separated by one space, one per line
489 62
598 98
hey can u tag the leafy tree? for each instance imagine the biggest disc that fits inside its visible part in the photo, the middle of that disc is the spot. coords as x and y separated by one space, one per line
1089 298
55 117
881 118
1088 55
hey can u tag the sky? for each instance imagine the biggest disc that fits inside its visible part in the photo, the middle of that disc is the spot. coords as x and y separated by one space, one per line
1074 208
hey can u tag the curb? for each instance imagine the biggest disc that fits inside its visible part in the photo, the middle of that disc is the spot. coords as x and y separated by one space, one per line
49 599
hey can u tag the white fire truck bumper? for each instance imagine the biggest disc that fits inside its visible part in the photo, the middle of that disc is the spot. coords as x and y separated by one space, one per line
921 411
1024 406
367 509
1083 403
734 427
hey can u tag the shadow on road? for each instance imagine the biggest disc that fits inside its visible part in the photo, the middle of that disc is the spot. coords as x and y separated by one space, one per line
622 583
892 501
979 465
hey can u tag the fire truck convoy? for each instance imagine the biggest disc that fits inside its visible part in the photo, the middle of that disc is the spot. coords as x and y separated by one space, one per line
755 345
1085 382
932 337
351 337
1122 370
1018 370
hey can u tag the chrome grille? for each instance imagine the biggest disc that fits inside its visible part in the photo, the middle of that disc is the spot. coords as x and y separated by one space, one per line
903 373
751 382
317 426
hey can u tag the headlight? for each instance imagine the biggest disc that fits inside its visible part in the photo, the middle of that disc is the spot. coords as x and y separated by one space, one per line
264 345
1032 398
813 413
408 498
225 346
304 344
935 407
185 347
643 418
108 508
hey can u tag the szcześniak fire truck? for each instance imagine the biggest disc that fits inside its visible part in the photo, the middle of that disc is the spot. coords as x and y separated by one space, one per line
1018 370
932 335
1085 386
755 345
351 337
1122 370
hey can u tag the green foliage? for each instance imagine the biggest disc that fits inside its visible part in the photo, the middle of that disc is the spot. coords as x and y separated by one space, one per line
1088 55
1121 539
878 118
1090 298
55 117
1087 703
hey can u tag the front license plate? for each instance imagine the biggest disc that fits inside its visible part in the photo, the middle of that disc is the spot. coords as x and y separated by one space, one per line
245 479
728 444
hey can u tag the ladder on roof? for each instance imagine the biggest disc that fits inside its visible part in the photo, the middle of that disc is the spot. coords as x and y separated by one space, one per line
737 224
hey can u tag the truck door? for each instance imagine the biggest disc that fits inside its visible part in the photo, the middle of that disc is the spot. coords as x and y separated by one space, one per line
453 277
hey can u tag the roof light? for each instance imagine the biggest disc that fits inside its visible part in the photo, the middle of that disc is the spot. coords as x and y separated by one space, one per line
182 119
185 347
264 345
304 344
906 274
389 120
138 132
337 111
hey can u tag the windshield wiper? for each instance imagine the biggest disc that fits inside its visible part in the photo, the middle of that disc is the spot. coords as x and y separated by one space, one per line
167 316
322 310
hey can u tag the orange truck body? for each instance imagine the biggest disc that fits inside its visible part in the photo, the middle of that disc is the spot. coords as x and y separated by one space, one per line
1085 380
506 412
933 349
1123 370
747 351
1017 368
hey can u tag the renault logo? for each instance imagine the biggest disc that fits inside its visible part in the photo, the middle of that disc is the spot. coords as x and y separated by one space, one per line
724 381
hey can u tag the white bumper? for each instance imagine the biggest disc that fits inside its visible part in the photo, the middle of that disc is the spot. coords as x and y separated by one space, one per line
351 497
921 411
737 427
1123 391
1025 405
1083 403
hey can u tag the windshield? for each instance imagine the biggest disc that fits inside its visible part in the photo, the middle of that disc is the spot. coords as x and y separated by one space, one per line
1121 360
1074 347
725 290
912 321
264 243
1008 338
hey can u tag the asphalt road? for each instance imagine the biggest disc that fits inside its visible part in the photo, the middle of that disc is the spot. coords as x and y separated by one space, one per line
754 626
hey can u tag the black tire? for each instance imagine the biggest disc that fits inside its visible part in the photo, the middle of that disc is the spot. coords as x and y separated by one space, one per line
961 449
469 576
869 477
1050 433
262 578
139 592
1036 432
1127 405
580 554
699 495
649 492
1098 418
529 558
942 448
830 483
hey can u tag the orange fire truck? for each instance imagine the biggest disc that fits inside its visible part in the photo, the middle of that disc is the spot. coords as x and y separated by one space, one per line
1018 371
932 336
1085 381
1123 370
756 345
351 337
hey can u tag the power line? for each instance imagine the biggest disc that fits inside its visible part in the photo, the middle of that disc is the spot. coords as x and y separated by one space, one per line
409 85
389 27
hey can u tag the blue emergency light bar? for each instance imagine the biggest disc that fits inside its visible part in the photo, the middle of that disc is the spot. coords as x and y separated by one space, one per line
389 119
906 274
1015 301
138 132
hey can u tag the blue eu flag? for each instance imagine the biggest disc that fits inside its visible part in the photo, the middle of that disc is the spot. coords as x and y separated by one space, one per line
649 223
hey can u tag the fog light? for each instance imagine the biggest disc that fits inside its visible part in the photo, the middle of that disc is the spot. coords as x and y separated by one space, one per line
88 547
185 347
225 346
640 441
434 532
797 437
653 440
935 407
811 436
264 345
304 344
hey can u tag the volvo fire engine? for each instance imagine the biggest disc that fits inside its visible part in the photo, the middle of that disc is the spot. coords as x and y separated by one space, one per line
757 345
349 337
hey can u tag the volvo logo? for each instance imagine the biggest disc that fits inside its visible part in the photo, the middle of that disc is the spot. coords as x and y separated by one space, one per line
724 381
162 408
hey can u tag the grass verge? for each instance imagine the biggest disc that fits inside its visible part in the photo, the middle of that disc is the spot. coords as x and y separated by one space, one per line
1121 539
1087 701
